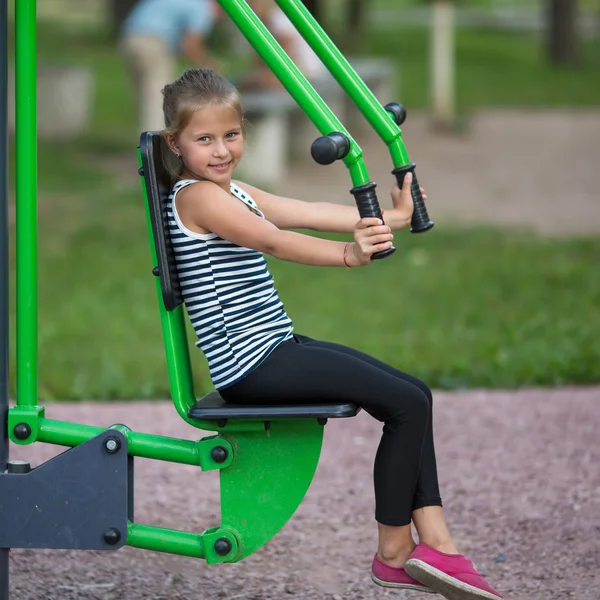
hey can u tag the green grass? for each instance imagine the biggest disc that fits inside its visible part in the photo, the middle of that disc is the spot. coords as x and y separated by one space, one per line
460 308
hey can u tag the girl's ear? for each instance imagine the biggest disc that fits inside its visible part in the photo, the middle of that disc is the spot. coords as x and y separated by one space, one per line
170 139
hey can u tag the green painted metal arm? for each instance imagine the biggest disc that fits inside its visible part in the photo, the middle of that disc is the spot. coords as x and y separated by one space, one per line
295 82
383 121
313 105
379 118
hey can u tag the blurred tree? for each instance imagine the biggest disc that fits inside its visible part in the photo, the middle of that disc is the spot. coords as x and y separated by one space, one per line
315 8
119 9
355 25
562 32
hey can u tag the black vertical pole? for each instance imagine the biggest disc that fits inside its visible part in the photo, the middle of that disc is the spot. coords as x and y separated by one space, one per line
3 268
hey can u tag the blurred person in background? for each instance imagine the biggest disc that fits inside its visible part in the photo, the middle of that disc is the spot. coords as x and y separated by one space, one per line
154 36
290 40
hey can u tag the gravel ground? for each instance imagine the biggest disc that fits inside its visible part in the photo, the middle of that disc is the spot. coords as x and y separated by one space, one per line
520 476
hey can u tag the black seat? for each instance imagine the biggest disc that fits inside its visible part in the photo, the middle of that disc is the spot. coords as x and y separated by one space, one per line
212 406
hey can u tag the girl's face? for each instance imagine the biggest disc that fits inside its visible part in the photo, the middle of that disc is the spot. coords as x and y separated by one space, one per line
211 145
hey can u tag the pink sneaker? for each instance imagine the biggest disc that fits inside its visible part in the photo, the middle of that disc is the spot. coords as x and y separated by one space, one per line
395 577
452 575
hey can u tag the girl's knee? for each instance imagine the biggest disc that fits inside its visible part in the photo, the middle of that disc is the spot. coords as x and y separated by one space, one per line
416 407
422 404
425 389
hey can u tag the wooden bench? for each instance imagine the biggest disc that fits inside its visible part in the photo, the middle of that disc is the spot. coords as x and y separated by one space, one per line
279 132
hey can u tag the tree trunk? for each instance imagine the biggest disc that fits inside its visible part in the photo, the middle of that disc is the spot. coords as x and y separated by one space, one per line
442 65
563 36
314 7
355 25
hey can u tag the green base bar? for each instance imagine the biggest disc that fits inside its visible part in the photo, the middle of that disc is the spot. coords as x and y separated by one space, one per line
148 537
144 445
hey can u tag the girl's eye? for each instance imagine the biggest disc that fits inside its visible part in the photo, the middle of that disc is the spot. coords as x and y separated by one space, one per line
232 134
204 138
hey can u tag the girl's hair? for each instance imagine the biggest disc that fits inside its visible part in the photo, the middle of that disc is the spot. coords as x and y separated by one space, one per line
194 90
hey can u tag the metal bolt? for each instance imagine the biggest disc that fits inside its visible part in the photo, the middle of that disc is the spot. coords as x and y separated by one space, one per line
223 546
22 431
219 454
112 536
112 445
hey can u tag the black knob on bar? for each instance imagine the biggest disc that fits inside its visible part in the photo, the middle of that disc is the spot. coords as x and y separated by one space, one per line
420 222
219 454
398 111
368 206
223 546
22 431
329 148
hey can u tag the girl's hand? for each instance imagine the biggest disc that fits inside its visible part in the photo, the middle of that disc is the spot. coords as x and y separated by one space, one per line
370 236
401 214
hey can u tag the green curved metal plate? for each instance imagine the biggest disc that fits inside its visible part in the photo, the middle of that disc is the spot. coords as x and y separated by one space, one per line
268 479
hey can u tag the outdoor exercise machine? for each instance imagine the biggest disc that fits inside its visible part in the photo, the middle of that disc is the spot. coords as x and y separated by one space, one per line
44 507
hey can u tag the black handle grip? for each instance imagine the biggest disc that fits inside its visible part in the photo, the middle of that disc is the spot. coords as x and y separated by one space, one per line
420 222
368 206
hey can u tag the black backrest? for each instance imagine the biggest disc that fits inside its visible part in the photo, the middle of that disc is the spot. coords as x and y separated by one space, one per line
158 188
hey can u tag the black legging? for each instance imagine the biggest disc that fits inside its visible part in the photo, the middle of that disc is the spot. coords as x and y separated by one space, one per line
304 370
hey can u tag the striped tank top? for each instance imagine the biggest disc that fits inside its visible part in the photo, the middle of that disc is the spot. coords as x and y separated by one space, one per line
229 296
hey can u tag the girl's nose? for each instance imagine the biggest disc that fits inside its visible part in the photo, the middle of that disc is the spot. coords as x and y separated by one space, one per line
220 149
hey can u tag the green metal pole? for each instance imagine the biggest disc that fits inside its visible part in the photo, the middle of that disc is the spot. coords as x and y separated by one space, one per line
26 205
347 77
4 455
378 116
144 445
294 81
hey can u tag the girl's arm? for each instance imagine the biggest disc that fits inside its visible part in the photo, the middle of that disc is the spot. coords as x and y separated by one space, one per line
204 206
288 213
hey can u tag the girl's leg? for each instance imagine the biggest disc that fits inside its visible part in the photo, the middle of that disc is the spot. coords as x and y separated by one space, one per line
428 515
427 492
298 372
307 370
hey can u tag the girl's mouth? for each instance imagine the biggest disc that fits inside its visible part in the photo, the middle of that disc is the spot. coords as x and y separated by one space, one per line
221 166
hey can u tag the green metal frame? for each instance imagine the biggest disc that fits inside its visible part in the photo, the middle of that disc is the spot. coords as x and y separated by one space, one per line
258 495
379 118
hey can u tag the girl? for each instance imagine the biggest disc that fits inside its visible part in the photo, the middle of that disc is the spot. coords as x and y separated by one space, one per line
220 229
